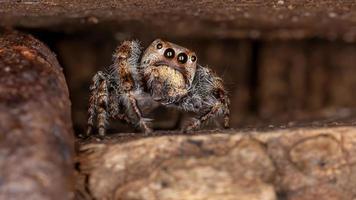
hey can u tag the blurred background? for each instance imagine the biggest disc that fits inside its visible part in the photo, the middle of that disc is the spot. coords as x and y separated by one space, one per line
284 63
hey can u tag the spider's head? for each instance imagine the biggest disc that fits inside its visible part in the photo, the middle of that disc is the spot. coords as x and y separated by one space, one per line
162 53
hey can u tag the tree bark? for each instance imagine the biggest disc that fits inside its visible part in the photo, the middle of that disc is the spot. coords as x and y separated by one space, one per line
293 164
36 138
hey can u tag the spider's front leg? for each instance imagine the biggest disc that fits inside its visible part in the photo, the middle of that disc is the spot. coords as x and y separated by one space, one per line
98 104
213 111
126 66
226 111
142 122
130 103
220 107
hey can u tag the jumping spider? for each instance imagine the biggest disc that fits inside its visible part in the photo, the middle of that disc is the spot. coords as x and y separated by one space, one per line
165 74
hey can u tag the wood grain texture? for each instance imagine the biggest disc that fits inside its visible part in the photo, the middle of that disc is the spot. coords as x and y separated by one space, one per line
301 163
204 18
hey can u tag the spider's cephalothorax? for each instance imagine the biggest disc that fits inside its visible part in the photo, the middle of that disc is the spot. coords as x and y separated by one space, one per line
165 74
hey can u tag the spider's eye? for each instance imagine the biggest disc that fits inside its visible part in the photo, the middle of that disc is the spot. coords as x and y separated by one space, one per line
182 58
193 58
159 46
169 53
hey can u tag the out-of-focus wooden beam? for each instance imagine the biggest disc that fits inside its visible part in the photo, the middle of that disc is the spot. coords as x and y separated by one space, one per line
233 19
36 137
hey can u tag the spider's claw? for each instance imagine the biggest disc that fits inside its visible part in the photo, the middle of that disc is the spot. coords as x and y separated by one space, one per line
89 131
148 120
226 123
101 131
195 124
148 131
144 125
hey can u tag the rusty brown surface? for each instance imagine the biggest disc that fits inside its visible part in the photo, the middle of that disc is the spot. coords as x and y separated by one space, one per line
291 164
36 137
332 19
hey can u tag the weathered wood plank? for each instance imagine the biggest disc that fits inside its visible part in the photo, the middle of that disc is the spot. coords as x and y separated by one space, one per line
36 138
273 18
288 164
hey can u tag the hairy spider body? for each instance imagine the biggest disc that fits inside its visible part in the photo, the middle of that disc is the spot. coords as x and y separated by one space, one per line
165 74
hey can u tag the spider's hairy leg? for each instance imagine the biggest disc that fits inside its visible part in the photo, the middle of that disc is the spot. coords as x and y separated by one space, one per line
142 122
129 103
213 111
115 111
226 111
214 101
126 61
122 116
102 107
92 102
225 108
98 102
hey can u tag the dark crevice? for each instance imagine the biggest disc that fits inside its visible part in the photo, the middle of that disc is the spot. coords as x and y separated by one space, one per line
254 77
282 195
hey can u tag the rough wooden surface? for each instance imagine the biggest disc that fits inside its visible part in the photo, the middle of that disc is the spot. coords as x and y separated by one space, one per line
36 138
292 164
204 18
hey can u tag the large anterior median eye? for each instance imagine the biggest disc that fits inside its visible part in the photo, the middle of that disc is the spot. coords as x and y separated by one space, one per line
169 53
182 58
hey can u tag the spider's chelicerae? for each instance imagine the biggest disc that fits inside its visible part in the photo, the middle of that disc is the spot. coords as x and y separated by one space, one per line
165 74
